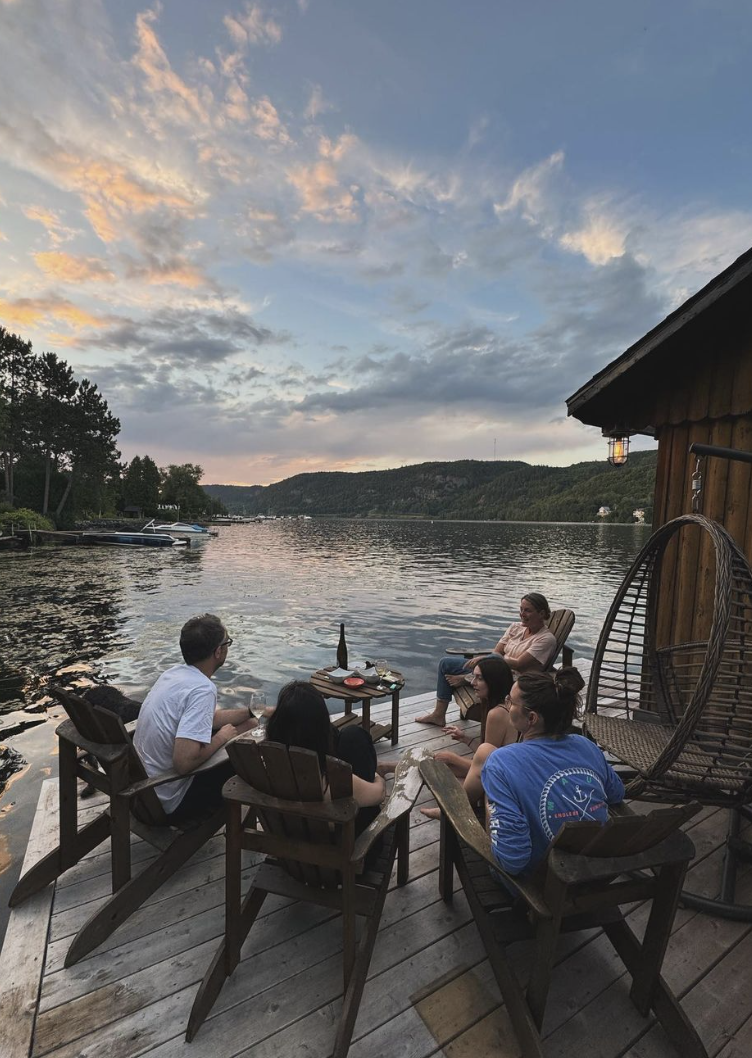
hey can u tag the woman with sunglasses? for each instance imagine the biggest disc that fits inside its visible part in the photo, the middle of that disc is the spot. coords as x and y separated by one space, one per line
526 646
548 778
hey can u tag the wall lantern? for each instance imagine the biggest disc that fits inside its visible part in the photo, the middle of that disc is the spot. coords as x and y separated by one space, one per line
618 449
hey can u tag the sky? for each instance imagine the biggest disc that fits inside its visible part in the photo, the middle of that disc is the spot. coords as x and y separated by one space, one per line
357 234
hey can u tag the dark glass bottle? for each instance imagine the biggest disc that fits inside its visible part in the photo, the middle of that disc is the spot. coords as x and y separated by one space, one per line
342 648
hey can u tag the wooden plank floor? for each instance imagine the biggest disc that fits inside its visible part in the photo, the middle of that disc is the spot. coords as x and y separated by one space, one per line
430 990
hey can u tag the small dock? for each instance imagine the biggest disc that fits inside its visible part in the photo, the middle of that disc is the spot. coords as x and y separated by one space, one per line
430 989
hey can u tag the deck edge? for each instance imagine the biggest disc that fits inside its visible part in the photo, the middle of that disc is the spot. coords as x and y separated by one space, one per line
25 946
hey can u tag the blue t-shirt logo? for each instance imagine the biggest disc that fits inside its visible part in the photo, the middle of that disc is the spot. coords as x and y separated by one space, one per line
572 794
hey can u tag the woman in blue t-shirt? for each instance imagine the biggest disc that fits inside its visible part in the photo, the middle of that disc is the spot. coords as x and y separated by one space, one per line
548 778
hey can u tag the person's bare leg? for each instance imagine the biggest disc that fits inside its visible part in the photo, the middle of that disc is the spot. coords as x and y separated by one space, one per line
473 785
437 717
386 767
459 766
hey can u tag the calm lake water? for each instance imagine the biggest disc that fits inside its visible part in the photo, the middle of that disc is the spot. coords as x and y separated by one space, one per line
405 590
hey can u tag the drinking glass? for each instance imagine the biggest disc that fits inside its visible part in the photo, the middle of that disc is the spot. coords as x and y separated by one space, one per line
258 708
382 667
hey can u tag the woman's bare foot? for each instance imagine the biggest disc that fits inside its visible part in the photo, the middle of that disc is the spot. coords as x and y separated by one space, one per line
386 767
437 718
431 813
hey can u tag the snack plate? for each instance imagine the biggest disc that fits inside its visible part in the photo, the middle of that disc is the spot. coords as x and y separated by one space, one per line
354 682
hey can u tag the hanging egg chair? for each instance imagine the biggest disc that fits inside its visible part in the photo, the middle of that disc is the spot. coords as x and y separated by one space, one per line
680 716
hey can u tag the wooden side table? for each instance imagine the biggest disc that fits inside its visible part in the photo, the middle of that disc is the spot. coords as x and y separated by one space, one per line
365 695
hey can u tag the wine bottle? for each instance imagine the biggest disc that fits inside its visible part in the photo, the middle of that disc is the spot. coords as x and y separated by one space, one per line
342 648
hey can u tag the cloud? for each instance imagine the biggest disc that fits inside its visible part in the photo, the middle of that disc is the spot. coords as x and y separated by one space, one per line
186 103
72 269
321 194
266 123
184 336
28 313
319 187
529 191
50 220
316 103
600 238
252 26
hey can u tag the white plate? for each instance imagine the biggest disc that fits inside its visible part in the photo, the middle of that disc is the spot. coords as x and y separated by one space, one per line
370 675
340 675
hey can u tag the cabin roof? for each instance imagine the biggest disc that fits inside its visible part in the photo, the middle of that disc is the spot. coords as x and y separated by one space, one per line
605 399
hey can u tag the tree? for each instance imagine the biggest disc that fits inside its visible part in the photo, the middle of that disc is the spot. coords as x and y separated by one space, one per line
180 486
52 410
17 370
141 484
90 452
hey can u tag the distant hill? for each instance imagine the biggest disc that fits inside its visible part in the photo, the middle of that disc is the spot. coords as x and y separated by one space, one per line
471 489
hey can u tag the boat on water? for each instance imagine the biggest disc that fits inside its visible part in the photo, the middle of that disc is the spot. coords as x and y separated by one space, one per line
128 539
183 529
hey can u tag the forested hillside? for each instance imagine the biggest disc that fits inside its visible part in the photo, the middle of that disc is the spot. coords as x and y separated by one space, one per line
464 489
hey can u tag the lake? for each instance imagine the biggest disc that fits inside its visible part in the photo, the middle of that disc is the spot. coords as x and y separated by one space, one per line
404 589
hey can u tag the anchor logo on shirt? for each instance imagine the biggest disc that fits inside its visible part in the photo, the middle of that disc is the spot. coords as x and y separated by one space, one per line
581 801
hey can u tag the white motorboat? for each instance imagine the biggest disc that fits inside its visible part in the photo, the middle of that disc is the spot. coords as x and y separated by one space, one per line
186 530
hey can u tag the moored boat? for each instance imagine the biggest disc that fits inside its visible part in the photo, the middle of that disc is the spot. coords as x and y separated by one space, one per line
185 529
128 539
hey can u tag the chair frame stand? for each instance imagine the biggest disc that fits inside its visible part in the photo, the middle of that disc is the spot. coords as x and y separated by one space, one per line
581 886
737 851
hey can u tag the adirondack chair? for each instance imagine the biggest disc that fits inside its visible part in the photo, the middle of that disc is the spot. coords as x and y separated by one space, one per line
589 872
316 857
560 623
92 732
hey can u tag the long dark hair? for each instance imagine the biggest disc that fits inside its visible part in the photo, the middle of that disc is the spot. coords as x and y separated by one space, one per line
554 696
302 719
498 677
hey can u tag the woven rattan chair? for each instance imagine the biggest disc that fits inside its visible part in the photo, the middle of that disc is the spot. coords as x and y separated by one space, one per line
681 716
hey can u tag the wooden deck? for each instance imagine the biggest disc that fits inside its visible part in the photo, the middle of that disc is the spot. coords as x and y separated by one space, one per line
430 990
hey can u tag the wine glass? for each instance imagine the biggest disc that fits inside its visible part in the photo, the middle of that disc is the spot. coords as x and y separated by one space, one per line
258 708
382 667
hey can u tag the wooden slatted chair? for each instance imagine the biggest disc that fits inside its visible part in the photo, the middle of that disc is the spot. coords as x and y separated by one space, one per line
92 732
589 872
315 857
560 623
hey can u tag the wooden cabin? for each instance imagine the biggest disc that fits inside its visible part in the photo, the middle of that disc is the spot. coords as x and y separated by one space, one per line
688 380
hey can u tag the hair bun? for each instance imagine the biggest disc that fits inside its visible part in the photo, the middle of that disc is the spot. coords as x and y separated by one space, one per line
569 679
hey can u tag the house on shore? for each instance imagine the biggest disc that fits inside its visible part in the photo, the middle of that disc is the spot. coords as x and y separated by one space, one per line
688 380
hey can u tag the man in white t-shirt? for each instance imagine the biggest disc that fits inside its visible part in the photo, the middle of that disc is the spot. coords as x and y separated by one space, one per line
179 726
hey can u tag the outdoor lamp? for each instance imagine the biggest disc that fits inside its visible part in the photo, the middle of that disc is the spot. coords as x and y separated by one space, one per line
618 449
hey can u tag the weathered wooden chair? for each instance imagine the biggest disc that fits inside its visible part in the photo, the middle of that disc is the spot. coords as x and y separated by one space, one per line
680 716
96 733
314 857
590 871
560 624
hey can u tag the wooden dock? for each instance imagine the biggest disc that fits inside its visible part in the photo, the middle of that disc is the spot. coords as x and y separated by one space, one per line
430 990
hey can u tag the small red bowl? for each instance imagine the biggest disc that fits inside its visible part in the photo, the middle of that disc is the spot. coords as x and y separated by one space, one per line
354 681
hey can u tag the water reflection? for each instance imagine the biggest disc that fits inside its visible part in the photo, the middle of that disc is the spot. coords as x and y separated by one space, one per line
405 591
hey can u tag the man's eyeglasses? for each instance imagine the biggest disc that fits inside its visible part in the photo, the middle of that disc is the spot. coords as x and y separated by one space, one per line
226 643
